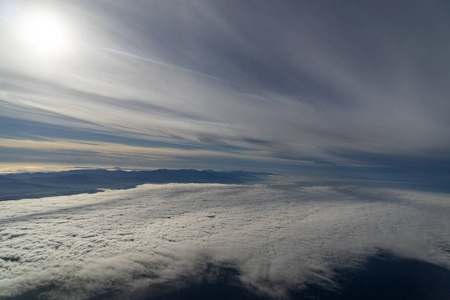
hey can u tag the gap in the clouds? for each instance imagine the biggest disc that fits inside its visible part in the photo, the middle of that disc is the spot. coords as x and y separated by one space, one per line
386 277
216 280
383 276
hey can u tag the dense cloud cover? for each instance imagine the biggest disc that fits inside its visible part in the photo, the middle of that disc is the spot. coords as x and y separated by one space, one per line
278 236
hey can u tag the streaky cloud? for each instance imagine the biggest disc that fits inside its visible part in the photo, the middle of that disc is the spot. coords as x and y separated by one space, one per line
313 81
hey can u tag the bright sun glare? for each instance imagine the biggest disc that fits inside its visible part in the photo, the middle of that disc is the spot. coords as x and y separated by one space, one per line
44 33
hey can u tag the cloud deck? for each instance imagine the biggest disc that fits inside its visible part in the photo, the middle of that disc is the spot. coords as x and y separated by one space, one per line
278 237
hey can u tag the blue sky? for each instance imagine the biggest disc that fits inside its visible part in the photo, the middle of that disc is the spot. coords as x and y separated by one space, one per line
300 87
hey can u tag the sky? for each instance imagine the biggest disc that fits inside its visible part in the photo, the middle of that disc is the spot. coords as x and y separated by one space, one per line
327 88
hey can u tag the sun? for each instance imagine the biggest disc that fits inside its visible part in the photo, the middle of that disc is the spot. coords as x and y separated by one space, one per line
44 33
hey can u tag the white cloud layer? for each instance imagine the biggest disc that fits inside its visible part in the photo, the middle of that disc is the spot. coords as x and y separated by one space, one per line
279 236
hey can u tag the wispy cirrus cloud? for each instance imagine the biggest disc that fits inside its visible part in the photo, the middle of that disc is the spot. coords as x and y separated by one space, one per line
299 80
116 154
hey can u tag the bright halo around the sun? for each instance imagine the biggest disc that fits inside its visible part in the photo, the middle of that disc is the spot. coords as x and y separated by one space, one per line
44 33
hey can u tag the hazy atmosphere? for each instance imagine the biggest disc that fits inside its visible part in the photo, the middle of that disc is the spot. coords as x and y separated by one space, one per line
196 149
285 85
